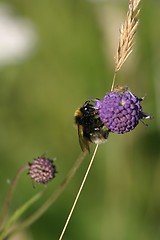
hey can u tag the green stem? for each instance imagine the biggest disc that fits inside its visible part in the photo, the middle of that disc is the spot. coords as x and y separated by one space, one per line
9 196
17 214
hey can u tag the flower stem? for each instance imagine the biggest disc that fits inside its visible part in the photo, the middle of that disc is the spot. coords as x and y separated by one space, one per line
78 194
113 81
9 196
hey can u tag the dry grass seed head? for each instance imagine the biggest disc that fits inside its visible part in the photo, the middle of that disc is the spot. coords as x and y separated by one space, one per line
127 33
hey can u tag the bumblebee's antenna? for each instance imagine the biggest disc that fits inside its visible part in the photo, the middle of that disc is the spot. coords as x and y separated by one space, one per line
78 194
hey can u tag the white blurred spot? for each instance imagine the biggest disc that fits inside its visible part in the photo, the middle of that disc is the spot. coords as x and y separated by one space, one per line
8 181
17 36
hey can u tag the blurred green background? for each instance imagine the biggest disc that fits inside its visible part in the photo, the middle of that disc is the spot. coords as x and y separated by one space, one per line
73 60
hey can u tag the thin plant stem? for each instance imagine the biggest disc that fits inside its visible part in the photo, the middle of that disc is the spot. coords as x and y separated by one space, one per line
17 214
32 218
113 81
78 194
10 194
84 179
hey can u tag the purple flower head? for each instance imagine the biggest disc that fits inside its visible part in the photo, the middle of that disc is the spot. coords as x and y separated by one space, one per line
42 170
120 110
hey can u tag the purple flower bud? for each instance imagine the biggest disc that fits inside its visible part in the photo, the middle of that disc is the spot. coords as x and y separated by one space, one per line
42 170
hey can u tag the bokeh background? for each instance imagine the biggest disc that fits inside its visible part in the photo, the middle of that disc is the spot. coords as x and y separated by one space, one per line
54 55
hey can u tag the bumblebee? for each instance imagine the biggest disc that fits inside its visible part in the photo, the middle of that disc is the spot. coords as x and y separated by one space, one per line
90 128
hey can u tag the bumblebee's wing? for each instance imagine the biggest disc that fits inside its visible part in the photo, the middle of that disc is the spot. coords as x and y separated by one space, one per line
84 143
